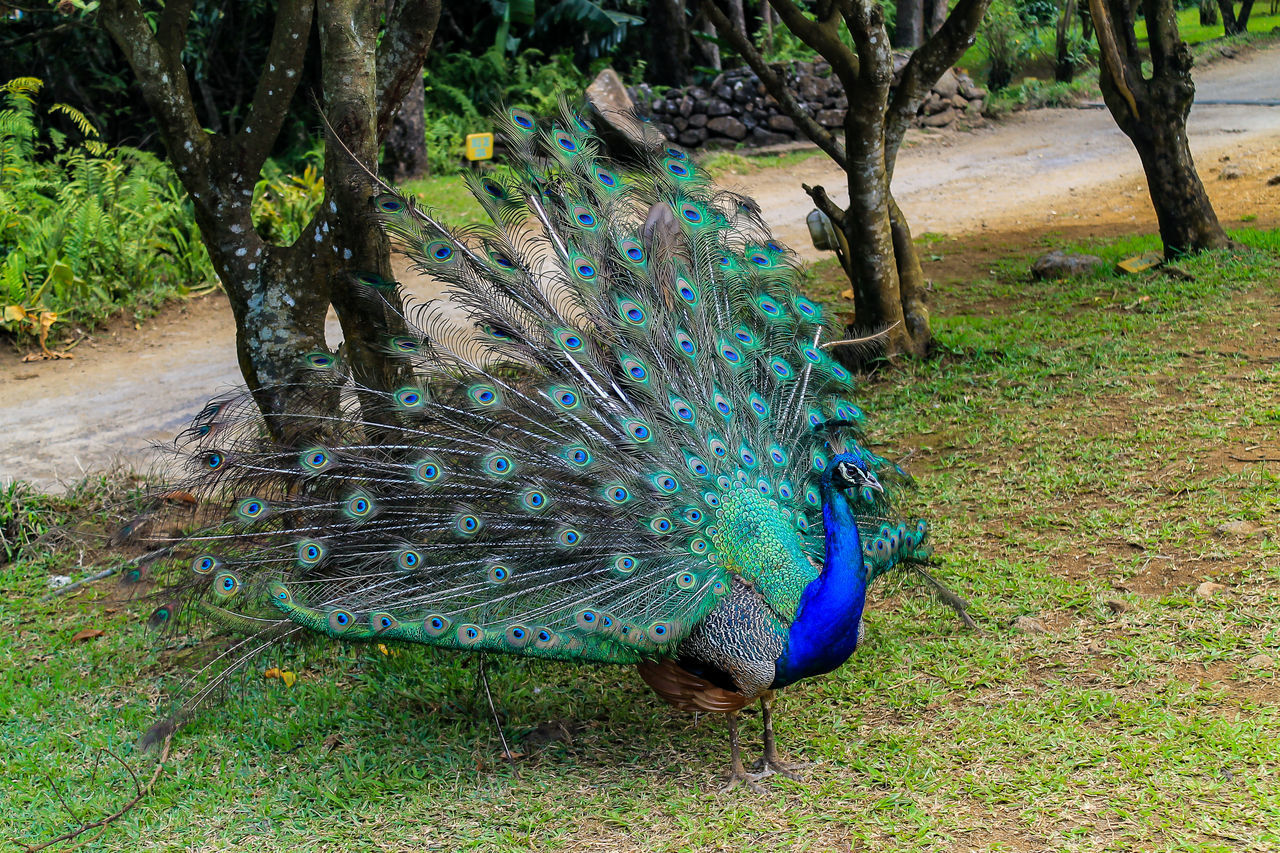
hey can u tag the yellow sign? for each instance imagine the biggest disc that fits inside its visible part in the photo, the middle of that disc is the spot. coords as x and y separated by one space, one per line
479 146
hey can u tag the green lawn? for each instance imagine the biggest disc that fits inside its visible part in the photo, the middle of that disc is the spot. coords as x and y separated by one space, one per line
1192 32
1090 453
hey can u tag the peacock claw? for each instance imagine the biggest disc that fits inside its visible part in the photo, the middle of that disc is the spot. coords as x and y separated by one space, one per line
767 766
747 780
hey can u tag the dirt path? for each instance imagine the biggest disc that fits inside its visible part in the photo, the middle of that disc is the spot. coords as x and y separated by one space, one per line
1038 171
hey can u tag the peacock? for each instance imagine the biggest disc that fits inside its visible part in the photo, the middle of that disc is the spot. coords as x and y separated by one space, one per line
640 452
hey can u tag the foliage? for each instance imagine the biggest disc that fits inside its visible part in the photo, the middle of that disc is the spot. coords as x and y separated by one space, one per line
1072 443
1035 94
86 229
284 202
462 89
1007 42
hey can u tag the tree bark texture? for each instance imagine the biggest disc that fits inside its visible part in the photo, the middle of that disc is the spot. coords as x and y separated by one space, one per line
669 42
1064 69
1152 112
279 294
879 257
908 29
404 154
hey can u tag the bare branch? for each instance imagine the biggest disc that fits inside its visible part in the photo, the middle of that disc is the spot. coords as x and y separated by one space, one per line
1109 48
163 81
824 203
140 789
823 35
281 74
777 87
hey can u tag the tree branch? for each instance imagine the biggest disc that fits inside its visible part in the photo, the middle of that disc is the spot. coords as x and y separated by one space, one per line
278 82
1113 62
823 35
776 87
163 81
401 53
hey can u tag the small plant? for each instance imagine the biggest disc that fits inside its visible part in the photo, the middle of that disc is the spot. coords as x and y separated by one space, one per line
85 229
1008 42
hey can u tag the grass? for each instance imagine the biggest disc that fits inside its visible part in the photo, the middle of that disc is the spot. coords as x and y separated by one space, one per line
1077 446
1193 32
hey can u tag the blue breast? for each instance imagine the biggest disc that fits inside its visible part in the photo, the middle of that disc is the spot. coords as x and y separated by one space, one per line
826 628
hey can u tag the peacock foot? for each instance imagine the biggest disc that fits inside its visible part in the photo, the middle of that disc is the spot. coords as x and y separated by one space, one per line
770 762
739 776
771 765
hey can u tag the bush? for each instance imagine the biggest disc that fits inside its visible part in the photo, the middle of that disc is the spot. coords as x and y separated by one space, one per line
85 229
1007 41
462 90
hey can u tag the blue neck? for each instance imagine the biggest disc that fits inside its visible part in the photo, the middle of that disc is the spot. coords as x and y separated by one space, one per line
825 631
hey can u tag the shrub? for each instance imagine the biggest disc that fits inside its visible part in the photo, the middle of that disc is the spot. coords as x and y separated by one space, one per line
85 229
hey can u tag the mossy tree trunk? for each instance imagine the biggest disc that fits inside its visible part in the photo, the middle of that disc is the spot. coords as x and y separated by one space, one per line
280 294
1152 112
879 258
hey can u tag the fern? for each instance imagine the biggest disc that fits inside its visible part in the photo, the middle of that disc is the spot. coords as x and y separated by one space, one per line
86 229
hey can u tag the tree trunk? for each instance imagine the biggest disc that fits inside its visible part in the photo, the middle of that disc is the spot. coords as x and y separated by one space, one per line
1152 112
668 33
908 27
404 154
1064 70
280 294
1242 20
935 15
1230 26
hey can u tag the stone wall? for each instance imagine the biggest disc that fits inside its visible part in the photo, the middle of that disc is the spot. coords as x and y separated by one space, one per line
735 108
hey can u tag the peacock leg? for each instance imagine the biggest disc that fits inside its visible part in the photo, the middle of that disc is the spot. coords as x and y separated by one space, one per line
770 763
738 774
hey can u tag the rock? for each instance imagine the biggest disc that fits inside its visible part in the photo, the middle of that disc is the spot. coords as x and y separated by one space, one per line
608 94
975 107
727 126
668 130
947 84
760 136
830 118
958 102
1273 181
697 120
1029 625
1115 605
693 136
942 119
933 103
719 108
1261 661
1058 264
1230 173
681 123
1208 588
1239 528
782 123
968 89
686 106
614 113
724 93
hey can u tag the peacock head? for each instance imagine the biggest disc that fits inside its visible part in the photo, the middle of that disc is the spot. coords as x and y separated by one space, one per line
851 471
